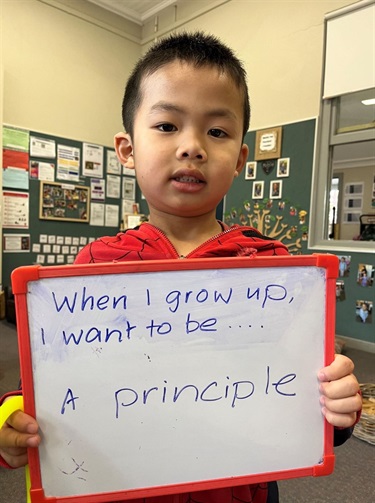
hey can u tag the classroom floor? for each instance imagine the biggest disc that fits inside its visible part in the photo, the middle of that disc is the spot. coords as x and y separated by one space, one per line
353 480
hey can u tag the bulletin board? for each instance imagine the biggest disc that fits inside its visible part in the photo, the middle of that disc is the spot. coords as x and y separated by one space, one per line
169 375
64 202
284 216
57 233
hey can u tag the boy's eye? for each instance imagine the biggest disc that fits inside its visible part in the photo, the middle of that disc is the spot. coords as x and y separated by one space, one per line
216 133
166 128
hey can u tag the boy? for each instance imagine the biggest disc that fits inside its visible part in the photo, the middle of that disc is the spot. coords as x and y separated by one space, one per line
186 112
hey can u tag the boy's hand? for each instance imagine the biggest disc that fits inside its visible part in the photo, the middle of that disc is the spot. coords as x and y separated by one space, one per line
19 432
339 389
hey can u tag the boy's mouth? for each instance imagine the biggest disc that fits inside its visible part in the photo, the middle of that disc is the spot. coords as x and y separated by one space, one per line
187 179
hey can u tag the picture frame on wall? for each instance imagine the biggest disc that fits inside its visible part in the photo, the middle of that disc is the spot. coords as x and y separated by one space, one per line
276 189
283 167
258 190
62 201
251 170
268 143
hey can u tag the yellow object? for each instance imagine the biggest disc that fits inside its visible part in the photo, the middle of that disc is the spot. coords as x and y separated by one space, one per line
6 409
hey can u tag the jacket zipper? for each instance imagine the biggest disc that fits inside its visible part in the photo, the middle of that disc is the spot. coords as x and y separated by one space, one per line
173 249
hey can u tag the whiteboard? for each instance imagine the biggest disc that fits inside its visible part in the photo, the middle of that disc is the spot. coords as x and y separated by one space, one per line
171 376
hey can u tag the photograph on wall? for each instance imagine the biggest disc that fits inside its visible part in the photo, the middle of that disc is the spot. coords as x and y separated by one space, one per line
258 190
276 188
363 311
340 289
365 275
344 265
283 167
251 171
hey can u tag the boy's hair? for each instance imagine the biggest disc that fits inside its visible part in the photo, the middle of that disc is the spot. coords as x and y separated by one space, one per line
198 49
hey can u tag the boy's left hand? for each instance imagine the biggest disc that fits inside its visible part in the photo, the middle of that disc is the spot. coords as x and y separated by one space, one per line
339 392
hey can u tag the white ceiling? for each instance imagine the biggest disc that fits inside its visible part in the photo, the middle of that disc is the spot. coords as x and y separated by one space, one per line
138 11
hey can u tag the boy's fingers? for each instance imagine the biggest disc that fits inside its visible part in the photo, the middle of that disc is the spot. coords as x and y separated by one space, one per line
340 420
340 367
346 387
349 405
14 460
22 422
10 438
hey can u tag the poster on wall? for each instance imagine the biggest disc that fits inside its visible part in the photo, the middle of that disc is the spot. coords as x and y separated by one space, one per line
113 164
97 188
68 159
92 160
16 210
113 186
42 147
16 138
42 171
97 214
16 243
111 215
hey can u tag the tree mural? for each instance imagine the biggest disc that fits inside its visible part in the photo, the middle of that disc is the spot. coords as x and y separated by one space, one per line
279 219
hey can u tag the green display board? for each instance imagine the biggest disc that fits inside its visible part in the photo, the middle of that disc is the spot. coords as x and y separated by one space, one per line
59 209
273 195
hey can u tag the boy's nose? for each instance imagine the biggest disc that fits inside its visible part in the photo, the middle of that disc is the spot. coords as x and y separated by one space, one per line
191 148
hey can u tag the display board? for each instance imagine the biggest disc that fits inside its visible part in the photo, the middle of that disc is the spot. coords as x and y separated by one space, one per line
161 377
59 194
64 202
283 215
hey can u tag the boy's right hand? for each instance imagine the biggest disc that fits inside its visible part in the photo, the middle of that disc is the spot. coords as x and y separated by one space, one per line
18 432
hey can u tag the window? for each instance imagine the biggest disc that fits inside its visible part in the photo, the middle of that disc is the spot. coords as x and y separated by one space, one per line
345 162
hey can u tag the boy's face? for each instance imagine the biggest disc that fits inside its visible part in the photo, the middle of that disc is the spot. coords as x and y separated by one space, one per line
187 142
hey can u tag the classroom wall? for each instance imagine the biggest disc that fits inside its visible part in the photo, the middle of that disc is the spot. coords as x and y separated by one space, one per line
63 66
281 45
63 74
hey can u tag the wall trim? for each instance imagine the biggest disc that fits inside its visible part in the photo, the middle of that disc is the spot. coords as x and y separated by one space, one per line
350 342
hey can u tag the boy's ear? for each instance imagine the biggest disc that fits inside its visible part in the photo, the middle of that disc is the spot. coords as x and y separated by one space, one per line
242 158
124 149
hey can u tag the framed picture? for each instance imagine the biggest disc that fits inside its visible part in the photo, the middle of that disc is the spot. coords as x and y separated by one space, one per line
283 167
63 201
258 190
268 143
251 170
276 188
128 188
